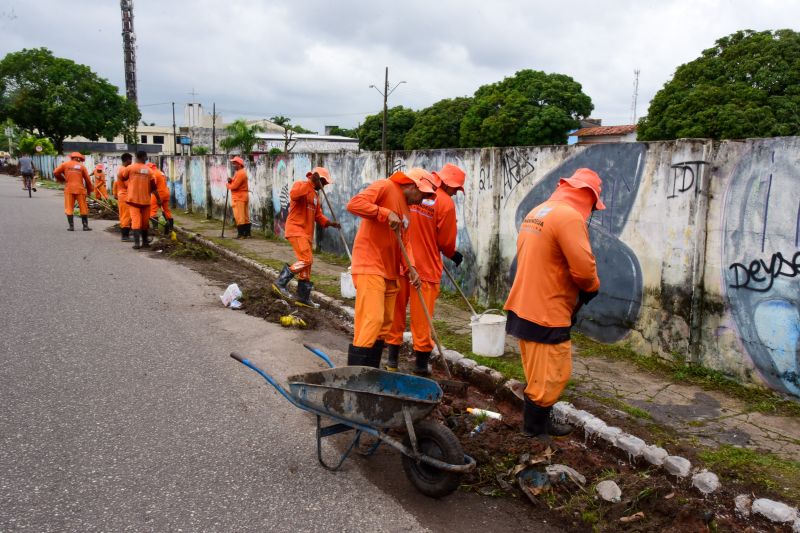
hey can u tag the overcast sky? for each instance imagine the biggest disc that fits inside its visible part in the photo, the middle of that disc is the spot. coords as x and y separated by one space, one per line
313 60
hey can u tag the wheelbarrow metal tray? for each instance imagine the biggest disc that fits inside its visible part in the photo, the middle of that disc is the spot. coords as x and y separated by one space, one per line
365 395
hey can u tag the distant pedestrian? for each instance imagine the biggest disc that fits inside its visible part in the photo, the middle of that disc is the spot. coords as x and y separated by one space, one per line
556 274
305 209
77 186
240 200
120 191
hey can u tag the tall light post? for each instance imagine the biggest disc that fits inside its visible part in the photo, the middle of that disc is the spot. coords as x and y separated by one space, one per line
385 93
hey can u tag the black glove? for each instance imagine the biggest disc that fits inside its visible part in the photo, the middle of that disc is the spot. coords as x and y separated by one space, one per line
457 258
586 297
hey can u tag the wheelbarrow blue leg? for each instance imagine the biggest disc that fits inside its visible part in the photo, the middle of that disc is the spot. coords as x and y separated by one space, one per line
372 449
333 430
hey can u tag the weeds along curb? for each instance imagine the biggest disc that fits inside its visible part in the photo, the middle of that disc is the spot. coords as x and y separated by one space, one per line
494 382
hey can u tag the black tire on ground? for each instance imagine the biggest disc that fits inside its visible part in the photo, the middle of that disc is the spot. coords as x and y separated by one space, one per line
437 441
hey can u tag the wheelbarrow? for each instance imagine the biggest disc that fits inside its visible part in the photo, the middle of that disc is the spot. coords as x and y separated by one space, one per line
372 401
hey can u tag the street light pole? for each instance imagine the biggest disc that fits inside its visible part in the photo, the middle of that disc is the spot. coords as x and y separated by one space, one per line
386 92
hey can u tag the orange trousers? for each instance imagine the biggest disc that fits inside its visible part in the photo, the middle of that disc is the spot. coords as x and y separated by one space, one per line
140 216
241 213
69 203
124 214
547 369
155 203
420 329
375 296
302 251
100 191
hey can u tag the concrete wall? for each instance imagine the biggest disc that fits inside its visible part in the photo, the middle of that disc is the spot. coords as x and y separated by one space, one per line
698 250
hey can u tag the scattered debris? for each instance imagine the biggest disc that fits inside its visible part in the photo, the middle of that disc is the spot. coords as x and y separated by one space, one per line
677 466
705 481
743 503
775 511
609 491
289 321
632 518
229 297
484 413
559 472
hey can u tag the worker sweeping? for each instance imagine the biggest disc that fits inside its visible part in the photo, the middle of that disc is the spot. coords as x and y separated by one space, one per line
99 176
239 198
377 258
77 186
304 210
120 191
141 184
160 198
556 274
432 232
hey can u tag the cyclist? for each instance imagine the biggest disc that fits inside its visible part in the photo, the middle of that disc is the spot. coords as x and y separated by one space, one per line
26 168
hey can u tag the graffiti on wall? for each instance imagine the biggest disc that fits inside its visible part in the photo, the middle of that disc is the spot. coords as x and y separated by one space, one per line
177 175
197 182
686 177
761 261
610 316
218 179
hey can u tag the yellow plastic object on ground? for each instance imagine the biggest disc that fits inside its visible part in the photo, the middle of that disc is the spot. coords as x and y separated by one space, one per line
289 321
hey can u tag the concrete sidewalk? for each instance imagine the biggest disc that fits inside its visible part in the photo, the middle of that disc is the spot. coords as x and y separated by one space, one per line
665 405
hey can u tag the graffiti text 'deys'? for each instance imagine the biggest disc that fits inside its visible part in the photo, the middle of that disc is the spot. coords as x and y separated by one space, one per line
760 276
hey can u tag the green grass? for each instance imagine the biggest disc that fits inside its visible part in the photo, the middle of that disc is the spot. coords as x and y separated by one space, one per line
755 398
193 251
332 259
508 365
762 468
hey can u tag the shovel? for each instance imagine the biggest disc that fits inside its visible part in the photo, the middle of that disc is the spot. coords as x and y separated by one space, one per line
225 212
448 385
453 281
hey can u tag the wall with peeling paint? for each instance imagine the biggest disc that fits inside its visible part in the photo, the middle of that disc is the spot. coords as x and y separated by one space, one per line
697 250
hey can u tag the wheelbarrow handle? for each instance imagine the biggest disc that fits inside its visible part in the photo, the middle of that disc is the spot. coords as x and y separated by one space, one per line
319 353
246 362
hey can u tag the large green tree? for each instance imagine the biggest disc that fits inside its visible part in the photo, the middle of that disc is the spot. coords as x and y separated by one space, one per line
400 121
438 126
59 98
529 108
747 85
240 136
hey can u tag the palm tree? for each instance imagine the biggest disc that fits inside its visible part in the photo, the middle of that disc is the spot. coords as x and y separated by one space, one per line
240 136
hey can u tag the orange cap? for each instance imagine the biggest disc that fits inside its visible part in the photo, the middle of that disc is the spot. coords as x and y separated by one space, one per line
78 155
323 174
99 166
584 177
237 159
418 176
452 176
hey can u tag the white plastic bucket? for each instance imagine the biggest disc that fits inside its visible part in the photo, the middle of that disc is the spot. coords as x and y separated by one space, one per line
489 334
347 288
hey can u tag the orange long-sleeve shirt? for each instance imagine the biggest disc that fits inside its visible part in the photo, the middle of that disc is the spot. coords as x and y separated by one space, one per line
238 186
432 233
161 185
554 262
140 182
76 177
99 178
304 209
375 250
120 187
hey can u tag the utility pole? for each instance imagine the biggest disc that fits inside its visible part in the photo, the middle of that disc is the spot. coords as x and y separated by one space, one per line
129 50
635 95
386 92
214 128
174 133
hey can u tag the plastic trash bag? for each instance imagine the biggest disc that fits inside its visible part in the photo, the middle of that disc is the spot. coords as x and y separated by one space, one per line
229 297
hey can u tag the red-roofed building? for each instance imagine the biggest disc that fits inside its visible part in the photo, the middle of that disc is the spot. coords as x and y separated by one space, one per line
606 134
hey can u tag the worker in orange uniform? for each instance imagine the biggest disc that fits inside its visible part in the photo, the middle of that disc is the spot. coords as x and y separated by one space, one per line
78 185
556 275
378 260
304 209
120 191
141 184
160 198
99 175
239 198
432 233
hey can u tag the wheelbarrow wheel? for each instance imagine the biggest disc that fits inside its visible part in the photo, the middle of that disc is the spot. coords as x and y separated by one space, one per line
437 441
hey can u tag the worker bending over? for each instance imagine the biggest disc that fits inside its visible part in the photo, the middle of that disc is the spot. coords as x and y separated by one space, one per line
77 186
239 198
99 176
120 191
141 184
160 198
304 209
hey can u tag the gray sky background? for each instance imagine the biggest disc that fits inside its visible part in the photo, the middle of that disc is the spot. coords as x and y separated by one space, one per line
313 60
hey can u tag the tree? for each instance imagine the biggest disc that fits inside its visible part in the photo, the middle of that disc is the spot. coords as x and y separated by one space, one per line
438 126
240 136
289 131
200 150
747 85
344 132
529 108
400 121
28 144
59 98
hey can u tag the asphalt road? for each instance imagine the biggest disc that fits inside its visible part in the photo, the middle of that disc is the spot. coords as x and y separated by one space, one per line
120 409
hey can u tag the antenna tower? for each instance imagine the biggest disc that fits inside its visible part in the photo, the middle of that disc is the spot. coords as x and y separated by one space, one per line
635 95
129 49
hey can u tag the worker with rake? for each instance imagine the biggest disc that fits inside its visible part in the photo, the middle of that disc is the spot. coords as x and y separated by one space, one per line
120 191
99 175
160 198
141 184
77 186
239 198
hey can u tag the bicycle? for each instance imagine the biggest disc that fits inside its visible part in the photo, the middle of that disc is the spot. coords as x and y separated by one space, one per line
28 180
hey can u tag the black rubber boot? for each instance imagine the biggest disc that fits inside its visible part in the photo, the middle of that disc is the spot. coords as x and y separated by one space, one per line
376 354
534 420
554 428
71 221
137 239
145 240
421 365
85 222
304 288
358 356
126 234
247 229
168 226
392 358
279 286
240 231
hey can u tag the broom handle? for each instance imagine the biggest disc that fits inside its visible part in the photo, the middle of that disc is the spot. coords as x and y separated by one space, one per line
333 216
453 281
